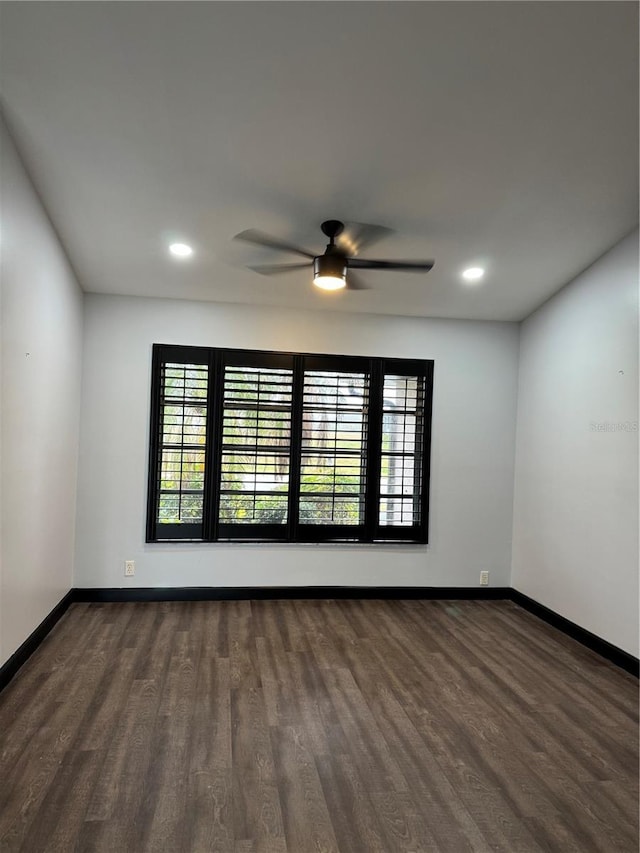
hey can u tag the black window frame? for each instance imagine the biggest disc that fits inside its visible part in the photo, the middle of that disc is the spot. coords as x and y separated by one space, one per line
211 530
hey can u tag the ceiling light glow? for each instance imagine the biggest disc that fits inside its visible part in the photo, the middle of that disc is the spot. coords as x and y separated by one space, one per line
180 250
473 274
329 282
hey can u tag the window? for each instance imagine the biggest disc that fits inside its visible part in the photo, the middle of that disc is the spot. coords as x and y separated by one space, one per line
287 447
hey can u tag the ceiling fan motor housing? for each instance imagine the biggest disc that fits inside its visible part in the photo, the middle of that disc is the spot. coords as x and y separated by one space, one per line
332 265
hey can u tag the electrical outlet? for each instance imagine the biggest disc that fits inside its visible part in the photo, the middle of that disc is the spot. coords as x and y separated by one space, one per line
129 568
484 578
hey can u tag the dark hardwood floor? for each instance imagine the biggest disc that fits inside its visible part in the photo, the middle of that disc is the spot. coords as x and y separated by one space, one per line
299 726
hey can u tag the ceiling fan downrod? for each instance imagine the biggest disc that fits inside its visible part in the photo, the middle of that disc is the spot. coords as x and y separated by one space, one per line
332 228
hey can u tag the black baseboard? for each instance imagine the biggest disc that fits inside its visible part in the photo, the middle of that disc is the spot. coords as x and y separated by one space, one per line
257 593
21 655
206 593
612 653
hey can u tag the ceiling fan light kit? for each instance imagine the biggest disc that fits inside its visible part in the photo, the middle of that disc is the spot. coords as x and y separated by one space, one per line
332 270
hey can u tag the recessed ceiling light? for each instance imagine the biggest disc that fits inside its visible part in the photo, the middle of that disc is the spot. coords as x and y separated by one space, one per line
473 274
180 250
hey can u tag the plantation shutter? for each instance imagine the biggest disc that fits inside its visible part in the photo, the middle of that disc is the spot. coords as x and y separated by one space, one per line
255 446
180 444
249 445
404 446
333 448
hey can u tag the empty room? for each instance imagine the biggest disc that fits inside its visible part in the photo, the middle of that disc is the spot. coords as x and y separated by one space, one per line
319 427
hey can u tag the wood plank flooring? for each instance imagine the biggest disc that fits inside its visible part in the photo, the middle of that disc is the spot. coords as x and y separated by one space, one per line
311 726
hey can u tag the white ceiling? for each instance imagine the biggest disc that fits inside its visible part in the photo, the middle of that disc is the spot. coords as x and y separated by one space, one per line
500 134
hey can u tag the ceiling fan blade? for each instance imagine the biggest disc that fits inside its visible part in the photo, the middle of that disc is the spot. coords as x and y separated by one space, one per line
401 266
276 269
358 235
262 239
354 282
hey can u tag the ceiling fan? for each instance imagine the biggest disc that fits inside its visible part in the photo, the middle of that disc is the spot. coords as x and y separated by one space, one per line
333 270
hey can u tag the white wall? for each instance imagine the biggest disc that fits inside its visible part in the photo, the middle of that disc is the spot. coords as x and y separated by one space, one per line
575 533
472 452
41 353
